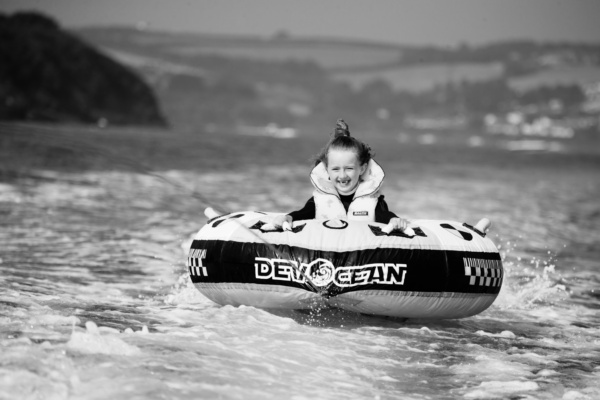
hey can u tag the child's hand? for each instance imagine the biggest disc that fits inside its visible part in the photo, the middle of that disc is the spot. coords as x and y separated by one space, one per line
396 223
282 221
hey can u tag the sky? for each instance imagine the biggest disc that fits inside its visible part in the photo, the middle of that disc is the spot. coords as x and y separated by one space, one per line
417 22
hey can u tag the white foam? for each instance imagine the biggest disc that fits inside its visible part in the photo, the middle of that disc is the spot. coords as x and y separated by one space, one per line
493 365
54 320
575 395
184 293
503 334
27 385
546 372
92 341
494 389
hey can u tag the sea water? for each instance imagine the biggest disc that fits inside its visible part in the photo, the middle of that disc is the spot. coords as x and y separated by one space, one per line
96 303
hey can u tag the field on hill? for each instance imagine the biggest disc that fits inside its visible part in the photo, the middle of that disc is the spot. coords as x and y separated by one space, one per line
423 77
326 55
567 75
354 62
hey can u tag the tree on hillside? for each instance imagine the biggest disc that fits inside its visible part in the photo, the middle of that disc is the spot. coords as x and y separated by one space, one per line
571 96
489 96
47 74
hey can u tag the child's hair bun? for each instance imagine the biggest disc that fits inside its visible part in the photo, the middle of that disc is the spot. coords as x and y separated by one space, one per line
340 139
341 129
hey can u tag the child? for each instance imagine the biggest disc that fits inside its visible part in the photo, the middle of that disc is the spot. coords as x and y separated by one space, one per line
347 185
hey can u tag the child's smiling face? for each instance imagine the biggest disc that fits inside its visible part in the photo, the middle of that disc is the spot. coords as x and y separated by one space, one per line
344 169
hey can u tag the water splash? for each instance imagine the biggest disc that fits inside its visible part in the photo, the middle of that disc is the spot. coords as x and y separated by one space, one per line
103 340
529 280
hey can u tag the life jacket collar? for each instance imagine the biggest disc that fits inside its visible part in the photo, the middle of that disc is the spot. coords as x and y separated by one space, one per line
369 183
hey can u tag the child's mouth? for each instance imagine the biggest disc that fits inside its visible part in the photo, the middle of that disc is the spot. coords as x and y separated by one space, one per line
344 182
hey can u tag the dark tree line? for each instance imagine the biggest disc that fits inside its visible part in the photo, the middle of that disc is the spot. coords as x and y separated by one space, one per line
47 74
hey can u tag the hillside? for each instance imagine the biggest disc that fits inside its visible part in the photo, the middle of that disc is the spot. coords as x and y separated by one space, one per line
48 74
220 79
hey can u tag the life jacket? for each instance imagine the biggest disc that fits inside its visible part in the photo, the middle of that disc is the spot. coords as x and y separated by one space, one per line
362 208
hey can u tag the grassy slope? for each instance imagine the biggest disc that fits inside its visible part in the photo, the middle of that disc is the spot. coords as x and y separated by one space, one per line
355 62
325 52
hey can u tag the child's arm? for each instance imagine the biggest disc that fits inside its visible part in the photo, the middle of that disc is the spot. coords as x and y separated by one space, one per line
309 211
382 212
306 212
385 216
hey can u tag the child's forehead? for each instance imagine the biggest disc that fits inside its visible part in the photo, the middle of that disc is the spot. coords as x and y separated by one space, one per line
342 155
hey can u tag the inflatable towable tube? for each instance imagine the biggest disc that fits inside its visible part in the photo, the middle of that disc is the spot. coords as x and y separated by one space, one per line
437 269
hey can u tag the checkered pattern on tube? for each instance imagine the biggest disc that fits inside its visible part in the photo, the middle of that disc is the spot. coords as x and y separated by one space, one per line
483 272
194 262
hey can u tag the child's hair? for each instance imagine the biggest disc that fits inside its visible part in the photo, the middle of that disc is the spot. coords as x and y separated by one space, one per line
341 139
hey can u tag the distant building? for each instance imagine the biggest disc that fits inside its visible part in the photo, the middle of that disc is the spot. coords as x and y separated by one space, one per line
592 102
516 123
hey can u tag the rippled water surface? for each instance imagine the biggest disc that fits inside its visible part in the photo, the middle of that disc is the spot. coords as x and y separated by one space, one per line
95 302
